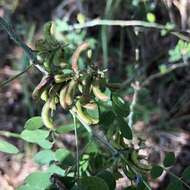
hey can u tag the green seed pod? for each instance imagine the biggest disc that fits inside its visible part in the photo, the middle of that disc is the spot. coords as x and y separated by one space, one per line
52 104
90 106
98 93
84 116
62 97
47 120
59 78
70 93
44 96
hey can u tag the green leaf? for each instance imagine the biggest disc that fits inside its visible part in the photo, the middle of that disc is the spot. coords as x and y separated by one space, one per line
92 147
124 128
156 171
65 128
64 156
38 180
44 157
92 183
169 159
37 136
175 184
34 123
106 119
108 178
54 169
120 106
186 174
8 148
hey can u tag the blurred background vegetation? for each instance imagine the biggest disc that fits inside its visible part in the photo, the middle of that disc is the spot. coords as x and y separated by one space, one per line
155 58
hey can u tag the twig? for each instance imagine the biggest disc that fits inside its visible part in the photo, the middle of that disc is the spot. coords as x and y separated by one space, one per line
96 136
14 77
8 28
178 178
136 88
9 134
77 148
29 52
158 75
124 23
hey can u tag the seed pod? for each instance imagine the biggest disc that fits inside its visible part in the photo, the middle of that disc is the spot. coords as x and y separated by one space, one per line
62 97
69 96
137 163
44 96
98 93
86 84
52 103
84 116
41 86
59 78
90 106
47 120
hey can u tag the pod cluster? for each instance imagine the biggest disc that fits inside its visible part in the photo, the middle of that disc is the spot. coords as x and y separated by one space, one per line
65 84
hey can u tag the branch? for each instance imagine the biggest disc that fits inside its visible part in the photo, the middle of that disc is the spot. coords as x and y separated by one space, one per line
14 77
124 23
8 28
9 134
136 88
29 52
158 75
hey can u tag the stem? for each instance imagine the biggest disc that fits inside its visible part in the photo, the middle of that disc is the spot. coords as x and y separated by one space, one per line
29 52
158 75
77 149
9 134
96 136
178 178
134 101
15 77
8 28
99 22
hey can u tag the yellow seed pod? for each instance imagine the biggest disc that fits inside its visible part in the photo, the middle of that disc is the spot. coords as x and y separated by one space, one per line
84 116
98 93
90 106
45 114
69 96
59 78
44 96
62 97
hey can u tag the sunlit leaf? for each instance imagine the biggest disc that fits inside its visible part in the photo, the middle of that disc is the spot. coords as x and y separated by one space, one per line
34 123
8 148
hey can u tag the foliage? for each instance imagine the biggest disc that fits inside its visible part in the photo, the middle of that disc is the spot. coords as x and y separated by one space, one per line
101 115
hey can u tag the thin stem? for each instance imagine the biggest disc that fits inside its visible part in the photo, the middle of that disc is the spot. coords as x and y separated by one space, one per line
15 77
9 134
96 136
99 22
133 103
8 28
158 75
178 178
77 149
29 52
